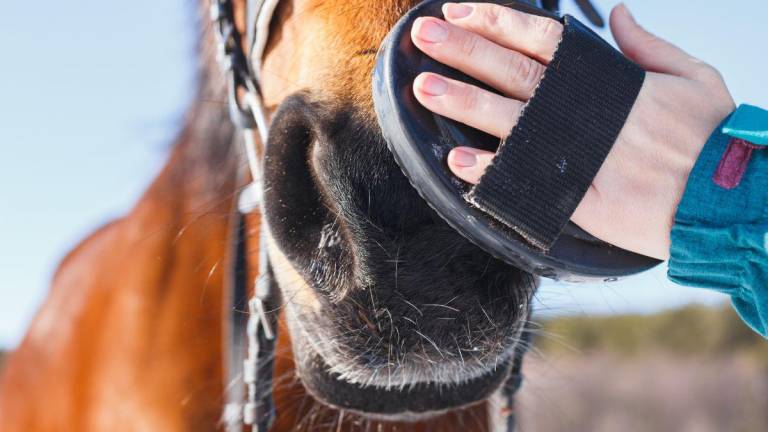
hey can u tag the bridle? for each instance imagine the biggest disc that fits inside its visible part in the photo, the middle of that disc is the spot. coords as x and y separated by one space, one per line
251 338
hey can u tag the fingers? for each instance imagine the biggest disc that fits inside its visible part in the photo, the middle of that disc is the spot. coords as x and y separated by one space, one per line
532 35
465 103
649 51
508 71
469 163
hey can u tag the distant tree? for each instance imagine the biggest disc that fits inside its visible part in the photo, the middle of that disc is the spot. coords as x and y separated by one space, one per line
689 331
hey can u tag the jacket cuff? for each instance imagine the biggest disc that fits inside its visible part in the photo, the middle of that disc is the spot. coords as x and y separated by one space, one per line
720 233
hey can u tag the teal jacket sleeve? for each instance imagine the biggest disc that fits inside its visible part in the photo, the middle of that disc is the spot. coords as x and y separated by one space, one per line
720 232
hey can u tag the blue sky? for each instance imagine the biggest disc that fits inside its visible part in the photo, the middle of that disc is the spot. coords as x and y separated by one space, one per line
92 92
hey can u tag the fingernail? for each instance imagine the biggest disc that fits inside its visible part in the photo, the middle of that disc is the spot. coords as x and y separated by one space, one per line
432 31
462 158
433 85
457 10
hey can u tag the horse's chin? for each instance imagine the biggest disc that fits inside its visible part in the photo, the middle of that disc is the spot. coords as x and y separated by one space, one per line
414 388
412 402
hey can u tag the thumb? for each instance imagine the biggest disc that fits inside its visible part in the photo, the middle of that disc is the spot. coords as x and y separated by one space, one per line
468 163
648 50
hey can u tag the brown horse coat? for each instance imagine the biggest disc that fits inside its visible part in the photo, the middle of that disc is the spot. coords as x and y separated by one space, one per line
130 336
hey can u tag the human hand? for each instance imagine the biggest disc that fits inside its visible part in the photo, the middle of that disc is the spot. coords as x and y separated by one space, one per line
633 198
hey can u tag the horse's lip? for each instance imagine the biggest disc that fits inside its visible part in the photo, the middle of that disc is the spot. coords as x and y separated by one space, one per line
411 403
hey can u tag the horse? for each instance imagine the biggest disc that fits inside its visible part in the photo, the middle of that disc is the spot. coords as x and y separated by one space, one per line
381 300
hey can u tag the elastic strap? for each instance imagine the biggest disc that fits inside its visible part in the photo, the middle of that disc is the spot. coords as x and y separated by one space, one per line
545 166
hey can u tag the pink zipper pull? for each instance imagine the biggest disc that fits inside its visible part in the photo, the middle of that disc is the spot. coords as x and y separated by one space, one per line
734 163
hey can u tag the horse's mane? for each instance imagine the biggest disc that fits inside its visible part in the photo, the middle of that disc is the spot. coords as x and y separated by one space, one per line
207 140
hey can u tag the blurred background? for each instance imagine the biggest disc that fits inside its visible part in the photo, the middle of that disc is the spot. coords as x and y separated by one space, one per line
93 92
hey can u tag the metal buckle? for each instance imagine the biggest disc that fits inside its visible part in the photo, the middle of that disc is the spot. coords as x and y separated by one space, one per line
257 320
256 308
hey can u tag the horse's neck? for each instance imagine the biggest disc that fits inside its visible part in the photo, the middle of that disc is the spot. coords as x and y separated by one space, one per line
130 335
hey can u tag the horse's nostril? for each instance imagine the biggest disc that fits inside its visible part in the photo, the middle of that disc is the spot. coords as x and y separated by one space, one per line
401 296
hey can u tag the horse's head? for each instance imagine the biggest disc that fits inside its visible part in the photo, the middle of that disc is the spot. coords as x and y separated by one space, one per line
379 292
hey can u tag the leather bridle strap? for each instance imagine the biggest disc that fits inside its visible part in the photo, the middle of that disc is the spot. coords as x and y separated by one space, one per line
249 356
248 113
250 350
259 17
251 365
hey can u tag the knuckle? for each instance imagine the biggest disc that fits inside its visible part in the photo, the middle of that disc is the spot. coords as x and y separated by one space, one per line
469 45
492 15
522 73
708 73
547 29
469 99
